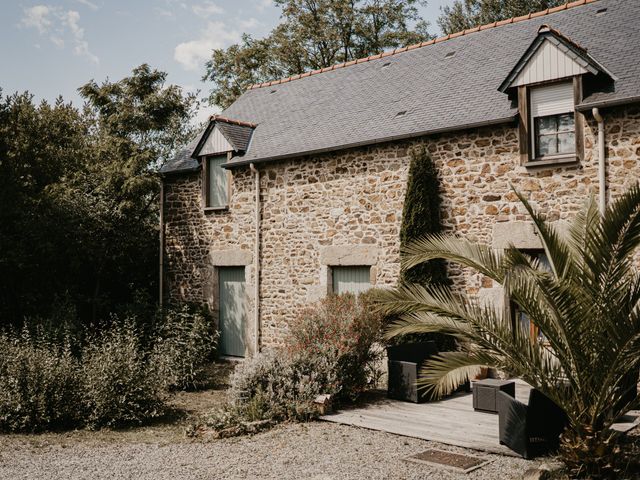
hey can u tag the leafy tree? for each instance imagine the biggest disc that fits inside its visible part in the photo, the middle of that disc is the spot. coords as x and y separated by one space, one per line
421 217
314 34
587 307
239 66
465 14
39 146
136 123
80 194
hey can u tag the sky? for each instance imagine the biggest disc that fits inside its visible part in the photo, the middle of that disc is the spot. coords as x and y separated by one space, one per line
52 47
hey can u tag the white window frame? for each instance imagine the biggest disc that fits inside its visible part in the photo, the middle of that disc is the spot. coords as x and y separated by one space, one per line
550 100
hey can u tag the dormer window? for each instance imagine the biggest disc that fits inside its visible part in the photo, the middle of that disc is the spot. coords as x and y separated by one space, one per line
554 135
219 143
552 121
548 80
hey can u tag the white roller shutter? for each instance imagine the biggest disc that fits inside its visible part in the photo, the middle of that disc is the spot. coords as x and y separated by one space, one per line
351 279
552 99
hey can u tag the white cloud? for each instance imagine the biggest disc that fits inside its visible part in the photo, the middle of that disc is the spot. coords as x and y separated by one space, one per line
89 4
179 3
191 55
164 13
57 41
207 9
72 19
81 47
249 24
203 114
55 23
262 4
37 17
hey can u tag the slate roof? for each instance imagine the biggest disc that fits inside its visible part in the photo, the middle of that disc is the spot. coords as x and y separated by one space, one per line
446 85
237 135
183 162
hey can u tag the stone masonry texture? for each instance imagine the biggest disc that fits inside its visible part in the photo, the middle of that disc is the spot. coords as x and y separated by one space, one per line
355 197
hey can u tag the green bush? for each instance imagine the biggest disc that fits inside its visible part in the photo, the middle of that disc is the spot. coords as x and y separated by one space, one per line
421 216
40 386
185 344
287 385
117 377
120 385
342 329
274 387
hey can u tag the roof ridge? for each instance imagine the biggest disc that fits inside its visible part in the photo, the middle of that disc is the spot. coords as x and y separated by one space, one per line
397 51
544 28
220 118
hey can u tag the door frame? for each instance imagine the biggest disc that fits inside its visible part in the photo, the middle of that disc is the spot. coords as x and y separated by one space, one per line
245 310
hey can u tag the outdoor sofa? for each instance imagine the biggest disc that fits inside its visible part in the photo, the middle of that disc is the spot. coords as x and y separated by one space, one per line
530 430
404 363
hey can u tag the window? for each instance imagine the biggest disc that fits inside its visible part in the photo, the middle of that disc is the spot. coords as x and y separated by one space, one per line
555 134
520 318
216 182
553 126
351 279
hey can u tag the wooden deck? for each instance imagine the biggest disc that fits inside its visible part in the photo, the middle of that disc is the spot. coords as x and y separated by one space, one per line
451 421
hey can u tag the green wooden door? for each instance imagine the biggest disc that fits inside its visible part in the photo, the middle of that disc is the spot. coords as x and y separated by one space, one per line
232 311
351 279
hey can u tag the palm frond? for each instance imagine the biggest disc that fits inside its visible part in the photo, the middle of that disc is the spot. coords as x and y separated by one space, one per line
581 230
423 322
587 307
482 258
445 372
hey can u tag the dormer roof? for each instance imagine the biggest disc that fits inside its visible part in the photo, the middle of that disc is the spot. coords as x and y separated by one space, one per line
223 135
552 56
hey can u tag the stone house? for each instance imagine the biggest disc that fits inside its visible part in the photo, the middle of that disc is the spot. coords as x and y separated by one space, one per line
297 189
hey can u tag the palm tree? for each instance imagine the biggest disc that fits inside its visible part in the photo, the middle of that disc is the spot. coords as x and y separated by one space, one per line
586 303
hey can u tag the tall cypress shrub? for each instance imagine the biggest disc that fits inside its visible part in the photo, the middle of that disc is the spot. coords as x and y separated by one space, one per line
421 216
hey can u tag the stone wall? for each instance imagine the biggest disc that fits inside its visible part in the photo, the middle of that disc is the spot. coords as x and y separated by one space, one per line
198 242
349 199
352 200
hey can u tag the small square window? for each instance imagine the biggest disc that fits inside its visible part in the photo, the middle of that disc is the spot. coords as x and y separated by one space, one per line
552 123
356 279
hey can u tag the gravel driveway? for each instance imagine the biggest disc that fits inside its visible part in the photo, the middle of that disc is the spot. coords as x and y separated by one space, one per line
319 451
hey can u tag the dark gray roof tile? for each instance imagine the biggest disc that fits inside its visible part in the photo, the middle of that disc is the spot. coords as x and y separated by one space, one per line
238 135
183 162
